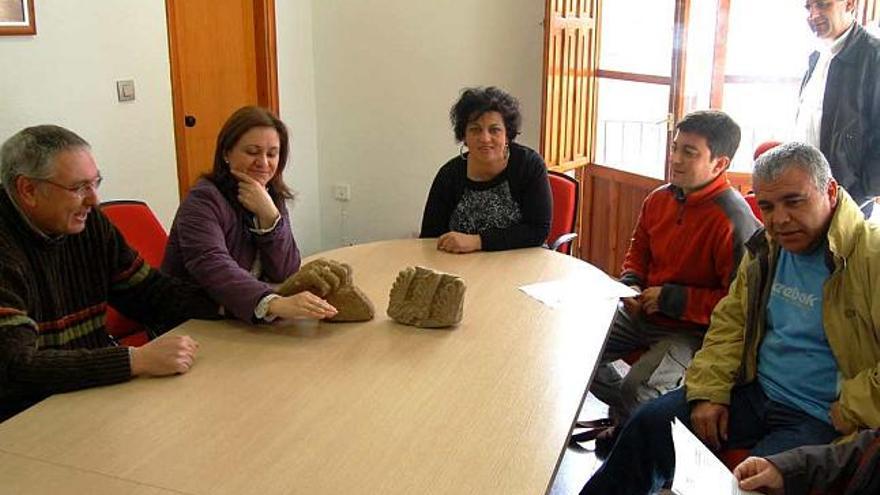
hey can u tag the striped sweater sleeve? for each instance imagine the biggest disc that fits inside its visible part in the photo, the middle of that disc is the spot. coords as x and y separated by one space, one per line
26 370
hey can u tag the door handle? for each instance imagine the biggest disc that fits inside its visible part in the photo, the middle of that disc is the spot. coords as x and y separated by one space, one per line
189 121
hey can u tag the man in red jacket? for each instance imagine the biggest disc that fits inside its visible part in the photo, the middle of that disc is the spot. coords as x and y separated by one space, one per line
682 257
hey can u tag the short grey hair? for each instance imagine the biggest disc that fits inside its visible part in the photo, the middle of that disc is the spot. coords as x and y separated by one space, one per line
770 165
30 153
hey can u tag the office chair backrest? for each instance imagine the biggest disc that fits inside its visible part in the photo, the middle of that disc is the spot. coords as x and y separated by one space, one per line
140 228
752 201
565 209
750 197
143 232
764 147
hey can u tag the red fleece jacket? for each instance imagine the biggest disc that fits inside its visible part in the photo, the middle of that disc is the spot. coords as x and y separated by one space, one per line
690 245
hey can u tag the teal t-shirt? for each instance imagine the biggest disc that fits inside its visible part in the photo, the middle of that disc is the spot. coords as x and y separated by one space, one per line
795 364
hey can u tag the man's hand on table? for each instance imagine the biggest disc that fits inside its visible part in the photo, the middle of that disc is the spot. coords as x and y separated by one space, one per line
166 355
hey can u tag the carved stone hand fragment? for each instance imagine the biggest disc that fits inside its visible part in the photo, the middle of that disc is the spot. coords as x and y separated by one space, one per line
426 298
332 281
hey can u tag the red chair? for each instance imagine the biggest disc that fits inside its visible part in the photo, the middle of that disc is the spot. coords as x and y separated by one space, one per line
764 147
732 457
753 204
143 232
565 191
750 197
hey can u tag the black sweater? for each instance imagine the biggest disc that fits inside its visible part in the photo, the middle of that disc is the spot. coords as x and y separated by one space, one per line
526 225
53 298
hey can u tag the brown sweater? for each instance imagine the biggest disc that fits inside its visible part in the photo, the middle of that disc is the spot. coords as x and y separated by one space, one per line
53 298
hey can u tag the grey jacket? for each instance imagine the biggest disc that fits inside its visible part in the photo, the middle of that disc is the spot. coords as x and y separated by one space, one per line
830 468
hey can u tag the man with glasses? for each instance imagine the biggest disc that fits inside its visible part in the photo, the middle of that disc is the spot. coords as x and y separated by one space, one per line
61 263
839 109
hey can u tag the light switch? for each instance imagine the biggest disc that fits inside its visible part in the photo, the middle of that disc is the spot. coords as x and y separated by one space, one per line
125 90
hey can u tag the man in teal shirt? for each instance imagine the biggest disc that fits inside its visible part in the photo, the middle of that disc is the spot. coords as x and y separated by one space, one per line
791 354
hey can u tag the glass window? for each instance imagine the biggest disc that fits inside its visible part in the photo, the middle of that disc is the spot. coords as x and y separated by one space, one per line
700 56
768 39
631 134
633 105
765 56
636 36
768 44
764 112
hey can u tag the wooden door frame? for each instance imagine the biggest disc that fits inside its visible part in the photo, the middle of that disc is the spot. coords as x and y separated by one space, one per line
266 65
565 138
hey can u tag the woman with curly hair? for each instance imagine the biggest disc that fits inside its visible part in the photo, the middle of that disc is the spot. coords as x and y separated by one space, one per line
495 195
232 234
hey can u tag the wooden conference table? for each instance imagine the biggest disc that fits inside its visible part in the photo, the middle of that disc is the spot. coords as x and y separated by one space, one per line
374 407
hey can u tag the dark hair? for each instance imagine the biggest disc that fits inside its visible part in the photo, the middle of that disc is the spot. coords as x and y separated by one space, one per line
31 151
474 102
721 132
240 122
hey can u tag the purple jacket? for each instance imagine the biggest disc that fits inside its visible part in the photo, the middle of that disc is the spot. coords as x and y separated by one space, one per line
211 245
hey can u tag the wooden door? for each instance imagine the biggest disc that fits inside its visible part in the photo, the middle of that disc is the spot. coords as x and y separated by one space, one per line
569 89
222 58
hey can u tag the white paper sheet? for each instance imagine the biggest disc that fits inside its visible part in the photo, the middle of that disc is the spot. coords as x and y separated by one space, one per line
697 470
587 283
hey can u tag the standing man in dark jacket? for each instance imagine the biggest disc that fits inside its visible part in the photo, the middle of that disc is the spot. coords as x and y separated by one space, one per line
839 109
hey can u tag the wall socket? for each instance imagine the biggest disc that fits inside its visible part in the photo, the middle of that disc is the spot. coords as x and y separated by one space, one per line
342 192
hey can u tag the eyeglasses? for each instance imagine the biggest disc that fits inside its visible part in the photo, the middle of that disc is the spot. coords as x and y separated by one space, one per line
81 189
821 5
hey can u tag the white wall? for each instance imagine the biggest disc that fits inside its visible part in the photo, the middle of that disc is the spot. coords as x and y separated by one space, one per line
386 73
368 83
296 88
66 75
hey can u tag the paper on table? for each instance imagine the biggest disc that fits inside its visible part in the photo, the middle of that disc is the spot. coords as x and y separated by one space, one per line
587 283
697 470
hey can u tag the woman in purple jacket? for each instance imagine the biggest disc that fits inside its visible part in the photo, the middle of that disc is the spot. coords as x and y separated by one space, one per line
232 234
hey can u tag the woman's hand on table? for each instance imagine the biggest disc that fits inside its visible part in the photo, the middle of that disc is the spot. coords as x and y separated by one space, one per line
301 305
456 242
